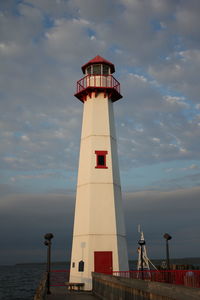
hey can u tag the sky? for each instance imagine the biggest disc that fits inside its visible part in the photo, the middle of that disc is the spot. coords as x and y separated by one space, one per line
155 47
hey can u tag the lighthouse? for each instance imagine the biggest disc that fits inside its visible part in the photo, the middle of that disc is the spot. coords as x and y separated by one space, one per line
99 238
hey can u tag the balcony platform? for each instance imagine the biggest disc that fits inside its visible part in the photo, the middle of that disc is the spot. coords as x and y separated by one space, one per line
98 83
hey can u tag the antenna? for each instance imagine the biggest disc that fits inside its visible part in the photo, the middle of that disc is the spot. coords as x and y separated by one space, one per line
142 252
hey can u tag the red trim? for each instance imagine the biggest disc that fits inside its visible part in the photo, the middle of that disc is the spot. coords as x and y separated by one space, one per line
102 153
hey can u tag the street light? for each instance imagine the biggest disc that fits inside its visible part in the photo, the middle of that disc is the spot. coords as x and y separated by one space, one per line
47 242
142 243
167 237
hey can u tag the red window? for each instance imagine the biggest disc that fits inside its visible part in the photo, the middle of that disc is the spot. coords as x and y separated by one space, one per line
101 159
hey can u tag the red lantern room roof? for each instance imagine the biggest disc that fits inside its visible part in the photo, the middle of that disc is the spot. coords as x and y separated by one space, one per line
99 60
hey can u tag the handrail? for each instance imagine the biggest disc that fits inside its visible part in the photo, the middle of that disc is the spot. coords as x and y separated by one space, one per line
189 278
98 81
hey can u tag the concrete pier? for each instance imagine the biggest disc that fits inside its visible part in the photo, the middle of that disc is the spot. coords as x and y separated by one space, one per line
108 287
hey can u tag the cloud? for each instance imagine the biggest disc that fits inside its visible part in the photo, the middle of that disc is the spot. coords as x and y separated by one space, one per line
176 101
157 212
139 77
43 44
25 138
45 86
36 176
187 20
188 168
94 10
180 73
21 230
191 167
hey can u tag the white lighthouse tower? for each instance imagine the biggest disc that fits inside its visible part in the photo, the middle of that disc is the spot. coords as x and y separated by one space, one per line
99 238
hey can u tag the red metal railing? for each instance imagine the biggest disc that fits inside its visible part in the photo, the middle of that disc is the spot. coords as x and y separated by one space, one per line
189 278
59 277
98 81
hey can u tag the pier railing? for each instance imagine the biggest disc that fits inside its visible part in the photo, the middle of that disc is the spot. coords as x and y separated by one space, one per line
189 278
59 277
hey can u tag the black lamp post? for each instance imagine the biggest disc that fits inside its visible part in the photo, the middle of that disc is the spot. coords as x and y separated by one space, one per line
47 242
167 237
142 243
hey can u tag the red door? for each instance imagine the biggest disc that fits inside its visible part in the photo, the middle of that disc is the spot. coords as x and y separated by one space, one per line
103 262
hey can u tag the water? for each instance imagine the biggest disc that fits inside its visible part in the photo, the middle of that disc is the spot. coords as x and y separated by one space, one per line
19 282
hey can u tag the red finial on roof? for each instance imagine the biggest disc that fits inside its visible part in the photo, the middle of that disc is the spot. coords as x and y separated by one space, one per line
98 60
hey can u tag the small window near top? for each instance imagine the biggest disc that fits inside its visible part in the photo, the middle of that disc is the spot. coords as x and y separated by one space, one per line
105 70
101 159
89 70
96 69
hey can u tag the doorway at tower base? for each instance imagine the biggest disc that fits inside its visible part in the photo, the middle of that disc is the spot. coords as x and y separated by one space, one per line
104 260
102 264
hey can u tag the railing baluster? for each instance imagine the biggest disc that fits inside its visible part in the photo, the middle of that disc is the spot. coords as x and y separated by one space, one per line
104 81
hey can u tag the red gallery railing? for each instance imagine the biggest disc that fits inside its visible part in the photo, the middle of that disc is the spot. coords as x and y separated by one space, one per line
190 278
98 81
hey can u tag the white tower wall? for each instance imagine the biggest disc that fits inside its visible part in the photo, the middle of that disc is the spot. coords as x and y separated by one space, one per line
98 223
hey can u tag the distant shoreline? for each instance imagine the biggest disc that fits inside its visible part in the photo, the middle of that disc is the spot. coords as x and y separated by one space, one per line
183 260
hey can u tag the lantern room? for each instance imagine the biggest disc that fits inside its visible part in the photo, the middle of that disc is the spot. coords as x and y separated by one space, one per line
98 69
98 78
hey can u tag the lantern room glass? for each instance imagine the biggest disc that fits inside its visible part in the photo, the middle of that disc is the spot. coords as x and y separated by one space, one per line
105 69
89 69
98 69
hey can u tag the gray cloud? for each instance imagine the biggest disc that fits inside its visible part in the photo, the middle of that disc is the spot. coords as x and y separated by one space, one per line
157 212
24 226
155 47
175 212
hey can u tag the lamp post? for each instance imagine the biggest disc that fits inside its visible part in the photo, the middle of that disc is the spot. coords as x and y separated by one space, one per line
167 237
47 242
142 243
